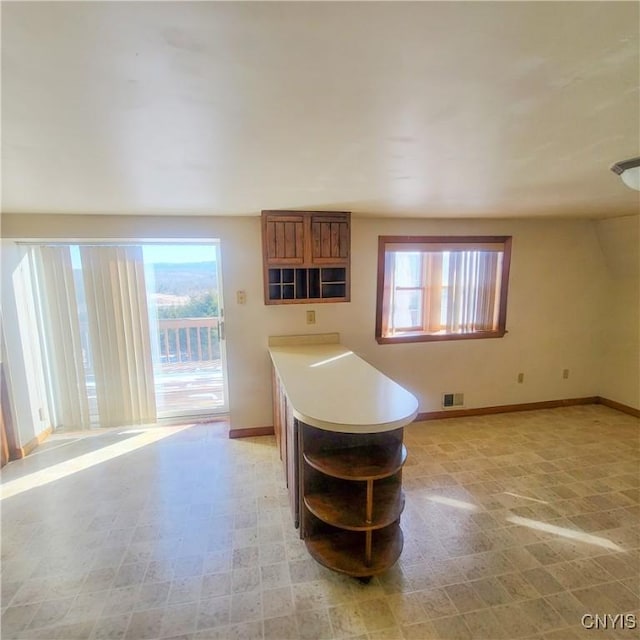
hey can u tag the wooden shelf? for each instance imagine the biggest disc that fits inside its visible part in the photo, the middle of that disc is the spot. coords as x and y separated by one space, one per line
343 551
359 463
290 285
347 509
351 499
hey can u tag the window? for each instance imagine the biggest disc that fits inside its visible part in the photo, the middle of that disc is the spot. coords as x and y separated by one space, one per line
132 331
442 287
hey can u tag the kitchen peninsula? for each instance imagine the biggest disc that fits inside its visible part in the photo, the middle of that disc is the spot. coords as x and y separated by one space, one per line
339 425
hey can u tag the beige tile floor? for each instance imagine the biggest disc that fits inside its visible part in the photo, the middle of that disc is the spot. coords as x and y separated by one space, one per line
516 525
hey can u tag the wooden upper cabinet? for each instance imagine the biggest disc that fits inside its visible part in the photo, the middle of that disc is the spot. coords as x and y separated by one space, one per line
306 238
330 239
306 256
283 238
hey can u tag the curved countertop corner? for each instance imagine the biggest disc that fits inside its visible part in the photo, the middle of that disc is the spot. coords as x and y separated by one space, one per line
332 388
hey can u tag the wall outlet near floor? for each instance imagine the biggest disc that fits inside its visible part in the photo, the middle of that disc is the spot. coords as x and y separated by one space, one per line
452 399
520 378
311 317
565 373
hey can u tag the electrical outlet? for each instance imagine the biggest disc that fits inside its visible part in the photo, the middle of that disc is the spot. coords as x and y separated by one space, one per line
565 373
311 317
241 297
452 399
520 378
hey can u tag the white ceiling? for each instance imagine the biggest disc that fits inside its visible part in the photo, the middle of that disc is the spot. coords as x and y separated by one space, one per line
429 109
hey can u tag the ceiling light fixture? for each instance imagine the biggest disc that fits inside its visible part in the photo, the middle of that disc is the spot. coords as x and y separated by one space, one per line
629 172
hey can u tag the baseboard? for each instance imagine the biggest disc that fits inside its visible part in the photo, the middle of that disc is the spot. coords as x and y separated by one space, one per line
251 432
506 408
17 453
479 411
619 406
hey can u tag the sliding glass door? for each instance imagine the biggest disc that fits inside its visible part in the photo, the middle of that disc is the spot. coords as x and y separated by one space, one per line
184 293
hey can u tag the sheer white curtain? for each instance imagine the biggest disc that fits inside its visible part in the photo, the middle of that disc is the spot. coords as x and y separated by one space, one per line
471 300
62 336
119 333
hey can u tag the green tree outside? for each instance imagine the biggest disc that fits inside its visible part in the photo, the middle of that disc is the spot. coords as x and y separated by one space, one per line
201 306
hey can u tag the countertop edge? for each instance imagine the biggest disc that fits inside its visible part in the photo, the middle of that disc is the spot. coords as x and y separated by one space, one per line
351 428
340 427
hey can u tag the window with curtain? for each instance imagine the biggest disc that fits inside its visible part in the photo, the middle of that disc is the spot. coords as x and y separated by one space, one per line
442 287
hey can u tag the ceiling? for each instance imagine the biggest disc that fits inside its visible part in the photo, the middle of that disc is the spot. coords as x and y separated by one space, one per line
425 109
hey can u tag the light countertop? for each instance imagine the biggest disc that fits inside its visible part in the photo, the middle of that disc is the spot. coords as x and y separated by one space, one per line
332 388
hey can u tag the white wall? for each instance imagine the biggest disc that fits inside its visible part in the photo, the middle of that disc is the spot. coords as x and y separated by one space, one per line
21 351
556 294
620 322
552 319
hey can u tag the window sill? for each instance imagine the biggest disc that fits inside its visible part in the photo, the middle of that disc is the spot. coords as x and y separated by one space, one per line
439 337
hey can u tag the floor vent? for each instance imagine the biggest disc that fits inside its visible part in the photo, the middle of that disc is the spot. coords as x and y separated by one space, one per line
453 399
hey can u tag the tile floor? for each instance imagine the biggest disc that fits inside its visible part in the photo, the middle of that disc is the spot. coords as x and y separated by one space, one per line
516 525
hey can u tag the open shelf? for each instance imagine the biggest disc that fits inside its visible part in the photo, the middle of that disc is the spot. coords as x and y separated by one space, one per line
359 463
351 498
347 509
295 285
344 551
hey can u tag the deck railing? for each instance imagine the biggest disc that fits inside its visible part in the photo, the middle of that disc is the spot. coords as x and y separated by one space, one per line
188 339
178 340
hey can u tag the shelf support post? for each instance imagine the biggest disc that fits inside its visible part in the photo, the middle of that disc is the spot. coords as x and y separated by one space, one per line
369 520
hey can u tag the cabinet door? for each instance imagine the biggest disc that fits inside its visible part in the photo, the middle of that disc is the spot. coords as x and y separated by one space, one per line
283 239
330 239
